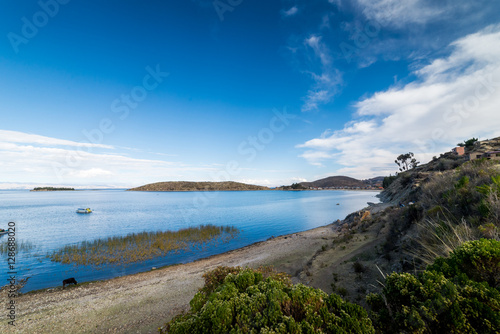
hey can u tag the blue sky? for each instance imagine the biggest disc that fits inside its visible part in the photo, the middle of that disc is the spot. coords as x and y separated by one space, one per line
123 93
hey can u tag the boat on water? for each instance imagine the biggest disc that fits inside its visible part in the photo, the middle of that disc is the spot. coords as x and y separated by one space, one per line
87 210
2 231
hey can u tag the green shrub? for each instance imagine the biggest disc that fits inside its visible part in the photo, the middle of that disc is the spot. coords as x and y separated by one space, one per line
463 182
478 259
246 302
493 188
452 296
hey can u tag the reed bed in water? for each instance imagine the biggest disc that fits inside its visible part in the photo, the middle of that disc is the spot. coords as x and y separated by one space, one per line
20 246
136 247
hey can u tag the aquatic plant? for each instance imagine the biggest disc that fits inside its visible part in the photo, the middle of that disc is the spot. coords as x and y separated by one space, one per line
136 247
21 246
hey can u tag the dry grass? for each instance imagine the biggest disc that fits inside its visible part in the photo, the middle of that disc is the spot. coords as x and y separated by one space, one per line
438 238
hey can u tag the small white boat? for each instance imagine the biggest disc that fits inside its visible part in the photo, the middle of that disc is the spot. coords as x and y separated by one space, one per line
87 210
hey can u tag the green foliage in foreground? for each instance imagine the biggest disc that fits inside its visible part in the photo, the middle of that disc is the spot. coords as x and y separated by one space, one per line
454 295
479 260
142 246
457 294
245 301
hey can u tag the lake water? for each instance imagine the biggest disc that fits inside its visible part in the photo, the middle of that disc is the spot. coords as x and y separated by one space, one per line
49 221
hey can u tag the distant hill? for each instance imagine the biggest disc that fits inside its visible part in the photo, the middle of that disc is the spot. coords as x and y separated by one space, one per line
343 182
52 189
376 181
334 181
198 186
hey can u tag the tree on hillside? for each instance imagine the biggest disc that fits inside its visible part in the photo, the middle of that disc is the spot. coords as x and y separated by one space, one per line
468 143
406 161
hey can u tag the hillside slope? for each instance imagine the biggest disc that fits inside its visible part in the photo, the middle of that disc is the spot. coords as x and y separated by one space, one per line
335 181
198 186
426 212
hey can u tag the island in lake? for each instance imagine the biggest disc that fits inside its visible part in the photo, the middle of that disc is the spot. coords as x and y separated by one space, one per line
198 186
52 189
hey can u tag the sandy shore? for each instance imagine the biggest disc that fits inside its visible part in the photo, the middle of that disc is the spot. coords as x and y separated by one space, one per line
142 302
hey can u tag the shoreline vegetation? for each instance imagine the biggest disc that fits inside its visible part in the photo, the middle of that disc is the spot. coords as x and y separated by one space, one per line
137 247
21 246
52 189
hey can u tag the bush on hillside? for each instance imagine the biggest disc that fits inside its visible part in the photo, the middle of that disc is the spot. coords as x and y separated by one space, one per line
479 260
447 164
460 193
452 296
246 302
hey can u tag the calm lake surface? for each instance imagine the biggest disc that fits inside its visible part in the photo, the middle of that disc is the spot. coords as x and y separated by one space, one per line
49 221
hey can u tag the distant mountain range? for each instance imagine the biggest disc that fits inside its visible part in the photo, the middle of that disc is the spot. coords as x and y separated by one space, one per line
344 182
197 186
329 182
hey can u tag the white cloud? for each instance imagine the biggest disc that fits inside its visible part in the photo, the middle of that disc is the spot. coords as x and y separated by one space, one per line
258 182
272 183
315 98
320 49
33 159
399 13
335 2
298 179
21 137
90 173
291 12
315 157
326 81
453 98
